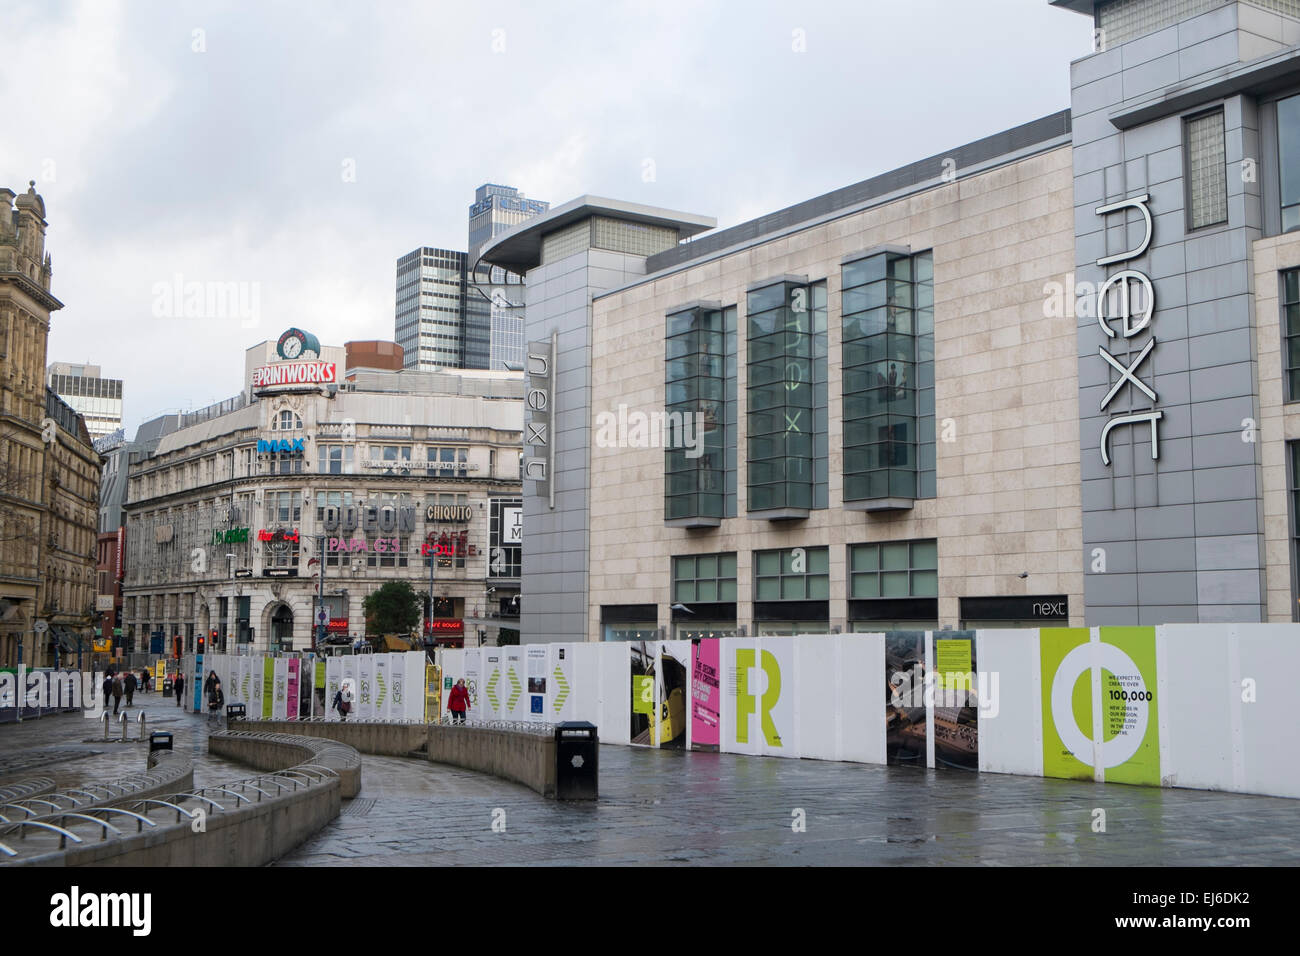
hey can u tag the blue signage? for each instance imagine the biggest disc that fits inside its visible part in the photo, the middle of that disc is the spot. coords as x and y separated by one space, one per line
273 445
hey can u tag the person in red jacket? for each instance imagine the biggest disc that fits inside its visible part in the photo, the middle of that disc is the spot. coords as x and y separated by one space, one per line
458 702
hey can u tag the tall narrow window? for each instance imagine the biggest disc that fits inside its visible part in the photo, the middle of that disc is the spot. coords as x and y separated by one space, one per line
1207 171
786 399
1288 148
700 400
1291 332
888 360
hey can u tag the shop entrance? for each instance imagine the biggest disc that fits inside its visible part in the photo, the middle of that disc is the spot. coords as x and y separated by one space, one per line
282 628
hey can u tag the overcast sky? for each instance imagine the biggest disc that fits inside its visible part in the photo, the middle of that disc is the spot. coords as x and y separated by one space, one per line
301 148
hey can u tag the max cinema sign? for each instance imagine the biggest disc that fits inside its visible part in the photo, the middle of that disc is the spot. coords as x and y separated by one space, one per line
1128 299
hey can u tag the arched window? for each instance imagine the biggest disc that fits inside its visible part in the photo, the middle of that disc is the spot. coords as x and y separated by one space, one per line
287 421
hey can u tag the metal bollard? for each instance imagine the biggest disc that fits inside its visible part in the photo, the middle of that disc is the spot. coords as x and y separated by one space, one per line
143 726
125 726
105 725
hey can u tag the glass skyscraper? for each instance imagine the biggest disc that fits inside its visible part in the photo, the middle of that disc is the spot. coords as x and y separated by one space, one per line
453 314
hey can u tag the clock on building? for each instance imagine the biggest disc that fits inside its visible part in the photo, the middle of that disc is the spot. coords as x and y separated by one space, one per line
296 345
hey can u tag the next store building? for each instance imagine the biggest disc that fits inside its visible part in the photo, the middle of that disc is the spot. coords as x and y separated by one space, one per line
1044 378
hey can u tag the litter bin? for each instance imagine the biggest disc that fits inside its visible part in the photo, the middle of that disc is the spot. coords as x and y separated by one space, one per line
167 687
577 753
235 712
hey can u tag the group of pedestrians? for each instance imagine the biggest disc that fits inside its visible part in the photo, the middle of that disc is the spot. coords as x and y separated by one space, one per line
118 685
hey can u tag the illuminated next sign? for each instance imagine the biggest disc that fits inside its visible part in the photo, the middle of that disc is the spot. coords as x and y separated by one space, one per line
1121 288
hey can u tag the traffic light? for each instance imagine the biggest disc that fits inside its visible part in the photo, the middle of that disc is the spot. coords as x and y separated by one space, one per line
202 641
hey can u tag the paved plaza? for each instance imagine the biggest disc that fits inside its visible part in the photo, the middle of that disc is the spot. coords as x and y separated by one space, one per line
674 807
698 808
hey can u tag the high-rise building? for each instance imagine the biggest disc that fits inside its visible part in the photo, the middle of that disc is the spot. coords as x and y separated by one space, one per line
431 308
97 399
452 314
495 297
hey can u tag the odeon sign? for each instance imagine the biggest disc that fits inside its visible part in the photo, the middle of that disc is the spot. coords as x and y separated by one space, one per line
1131 324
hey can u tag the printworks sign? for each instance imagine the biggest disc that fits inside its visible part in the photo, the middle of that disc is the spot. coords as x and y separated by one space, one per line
1134 300
295 373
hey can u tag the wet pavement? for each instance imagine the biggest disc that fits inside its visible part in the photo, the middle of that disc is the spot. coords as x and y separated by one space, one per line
699 808
71 750
674 807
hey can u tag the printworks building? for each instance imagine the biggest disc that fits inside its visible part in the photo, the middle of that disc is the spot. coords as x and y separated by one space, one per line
327 461
1044 378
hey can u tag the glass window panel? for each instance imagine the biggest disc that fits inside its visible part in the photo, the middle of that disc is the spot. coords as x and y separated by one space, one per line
894 556
893 584
792 589
819 588
925 584
1207 184
768 562
727 590
707 591
925 554
684 592
768 589
818 560
1288 135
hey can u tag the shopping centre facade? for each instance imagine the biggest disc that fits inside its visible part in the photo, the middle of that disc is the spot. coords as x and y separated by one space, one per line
1041 379
322 462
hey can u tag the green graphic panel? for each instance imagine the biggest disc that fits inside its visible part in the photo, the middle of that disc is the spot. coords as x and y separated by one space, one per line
1128 702
1058 760
268 686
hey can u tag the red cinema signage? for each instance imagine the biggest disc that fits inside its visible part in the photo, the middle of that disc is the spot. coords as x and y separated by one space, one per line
121 537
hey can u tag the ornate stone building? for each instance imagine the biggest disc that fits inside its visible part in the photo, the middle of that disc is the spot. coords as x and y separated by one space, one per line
48 469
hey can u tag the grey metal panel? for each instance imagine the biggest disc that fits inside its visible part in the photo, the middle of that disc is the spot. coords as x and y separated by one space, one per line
1228 553
1225 415
1228 587
1221 450
1100 590
1173 488
1109 526
1227 517
1223 381
1166 521
1230 614
1176 614
1169 554
1170 587
1121 557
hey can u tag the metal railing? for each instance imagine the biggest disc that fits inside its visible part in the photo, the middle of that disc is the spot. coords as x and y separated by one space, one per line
188 805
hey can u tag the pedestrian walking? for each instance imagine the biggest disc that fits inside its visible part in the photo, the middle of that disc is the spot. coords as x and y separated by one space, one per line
178 688
108 689
128 686
117 694
343 701
215 699
458 702
144 680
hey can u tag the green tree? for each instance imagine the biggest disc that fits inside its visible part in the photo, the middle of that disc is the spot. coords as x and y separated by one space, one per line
395 608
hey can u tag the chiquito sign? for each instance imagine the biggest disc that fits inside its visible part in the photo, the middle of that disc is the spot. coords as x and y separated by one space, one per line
1134 301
